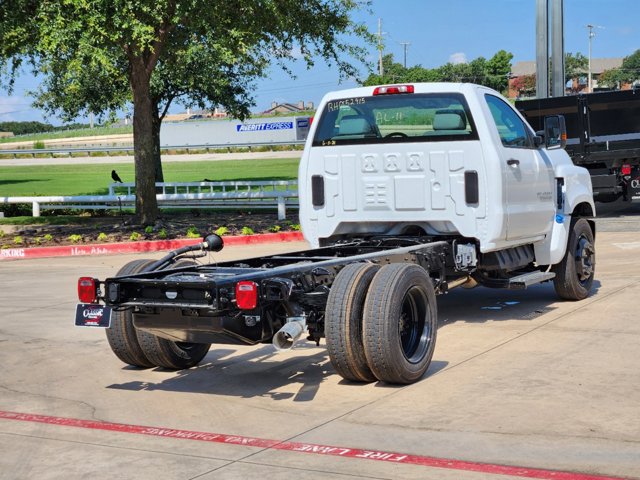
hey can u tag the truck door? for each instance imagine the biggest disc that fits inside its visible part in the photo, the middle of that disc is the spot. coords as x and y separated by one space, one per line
528 174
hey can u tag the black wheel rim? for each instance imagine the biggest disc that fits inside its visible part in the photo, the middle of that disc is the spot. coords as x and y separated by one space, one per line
414 325
585 259
185 346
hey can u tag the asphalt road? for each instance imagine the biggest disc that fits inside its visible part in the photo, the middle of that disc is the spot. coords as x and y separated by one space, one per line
521 386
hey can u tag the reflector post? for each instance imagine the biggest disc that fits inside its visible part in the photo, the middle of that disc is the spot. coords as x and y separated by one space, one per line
87 289
393 90
246 295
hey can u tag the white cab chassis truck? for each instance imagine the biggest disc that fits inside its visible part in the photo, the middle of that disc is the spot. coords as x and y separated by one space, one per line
406 191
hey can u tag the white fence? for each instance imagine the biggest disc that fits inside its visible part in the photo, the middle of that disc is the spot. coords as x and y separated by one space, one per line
278 194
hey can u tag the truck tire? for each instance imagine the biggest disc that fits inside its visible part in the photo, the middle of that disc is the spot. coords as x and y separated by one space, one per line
167 353
121 335
400 323
574 274
343 322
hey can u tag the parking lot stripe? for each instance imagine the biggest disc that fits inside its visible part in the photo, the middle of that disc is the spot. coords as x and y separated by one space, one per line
382 456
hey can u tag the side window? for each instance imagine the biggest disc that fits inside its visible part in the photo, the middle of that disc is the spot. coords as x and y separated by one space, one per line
512 130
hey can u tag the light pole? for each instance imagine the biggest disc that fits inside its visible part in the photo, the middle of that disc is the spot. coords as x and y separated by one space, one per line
591 35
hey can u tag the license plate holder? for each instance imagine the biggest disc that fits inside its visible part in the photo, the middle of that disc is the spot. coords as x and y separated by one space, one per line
93 315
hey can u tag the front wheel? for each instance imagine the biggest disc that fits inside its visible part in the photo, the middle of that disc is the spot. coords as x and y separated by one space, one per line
400 323
574 274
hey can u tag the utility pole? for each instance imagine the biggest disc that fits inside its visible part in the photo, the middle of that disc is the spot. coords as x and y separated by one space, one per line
405 45
380 67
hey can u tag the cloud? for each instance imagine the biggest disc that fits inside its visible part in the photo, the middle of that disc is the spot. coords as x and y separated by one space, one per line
626 31
458 57
10 107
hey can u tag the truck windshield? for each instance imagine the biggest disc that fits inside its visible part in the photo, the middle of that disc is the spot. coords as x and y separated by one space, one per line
395 118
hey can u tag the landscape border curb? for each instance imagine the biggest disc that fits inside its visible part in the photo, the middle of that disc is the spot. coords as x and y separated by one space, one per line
139 247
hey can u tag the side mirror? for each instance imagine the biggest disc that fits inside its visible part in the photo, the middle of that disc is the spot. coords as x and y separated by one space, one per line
555 132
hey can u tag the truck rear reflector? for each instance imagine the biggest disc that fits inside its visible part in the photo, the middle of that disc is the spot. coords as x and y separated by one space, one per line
625 169
246 295
87 289
393 90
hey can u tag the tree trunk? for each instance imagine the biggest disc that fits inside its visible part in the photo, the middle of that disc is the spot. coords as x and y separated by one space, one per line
157 160
144 145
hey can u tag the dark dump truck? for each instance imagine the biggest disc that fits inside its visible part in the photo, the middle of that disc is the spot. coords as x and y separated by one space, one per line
603 131
406 192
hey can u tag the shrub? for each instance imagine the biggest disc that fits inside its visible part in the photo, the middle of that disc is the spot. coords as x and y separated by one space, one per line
148 229
162 234
134 237
221 231
192 232
102 237
38 145
275 228
18 240
75 238
48 237
295 226
247 231
2 234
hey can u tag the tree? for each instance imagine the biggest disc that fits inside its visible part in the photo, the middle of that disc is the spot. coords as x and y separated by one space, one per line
525 84
575 66
630 69
498 70
100 55
492 73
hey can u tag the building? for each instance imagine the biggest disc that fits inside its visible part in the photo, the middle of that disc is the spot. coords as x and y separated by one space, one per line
288 108
522 80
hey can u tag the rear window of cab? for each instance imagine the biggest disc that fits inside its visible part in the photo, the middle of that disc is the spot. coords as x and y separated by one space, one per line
431 117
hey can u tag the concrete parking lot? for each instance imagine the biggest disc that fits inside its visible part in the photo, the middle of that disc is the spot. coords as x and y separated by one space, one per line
521 386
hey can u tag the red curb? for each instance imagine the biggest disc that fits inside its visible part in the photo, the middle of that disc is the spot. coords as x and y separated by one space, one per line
138 247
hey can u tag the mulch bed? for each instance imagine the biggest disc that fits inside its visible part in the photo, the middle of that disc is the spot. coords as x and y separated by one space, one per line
110 229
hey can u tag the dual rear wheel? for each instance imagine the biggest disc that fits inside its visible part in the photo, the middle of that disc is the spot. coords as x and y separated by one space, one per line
381 323
142 349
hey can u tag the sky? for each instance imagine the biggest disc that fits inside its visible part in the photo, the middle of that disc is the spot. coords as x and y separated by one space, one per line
437 32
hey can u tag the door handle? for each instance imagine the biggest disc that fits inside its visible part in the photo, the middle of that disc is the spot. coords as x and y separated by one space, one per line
513 162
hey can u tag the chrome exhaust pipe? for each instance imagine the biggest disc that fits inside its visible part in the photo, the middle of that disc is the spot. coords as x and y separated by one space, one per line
464 282
290 333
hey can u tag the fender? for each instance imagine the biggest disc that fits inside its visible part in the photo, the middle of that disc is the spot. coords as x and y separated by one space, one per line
578 201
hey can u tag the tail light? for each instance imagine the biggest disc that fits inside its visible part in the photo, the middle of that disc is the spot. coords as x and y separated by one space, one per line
246 295
393 90
625 169
87 289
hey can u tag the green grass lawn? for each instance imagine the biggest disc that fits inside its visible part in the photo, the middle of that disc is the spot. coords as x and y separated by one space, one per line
88 179
85 132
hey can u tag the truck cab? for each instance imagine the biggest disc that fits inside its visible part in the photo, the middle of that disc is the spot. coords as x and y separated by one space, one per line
437 158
